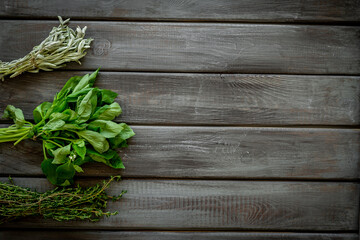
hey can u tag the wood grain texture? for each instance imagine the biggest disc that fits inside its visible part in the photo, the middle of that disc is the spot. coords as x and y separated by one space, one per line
186 10
201 47
150 235
195 205
211 99
217 153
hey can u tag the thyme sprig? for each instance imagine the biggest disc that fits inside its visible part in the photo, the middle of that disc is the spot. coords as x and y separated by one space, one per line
61 204
61 46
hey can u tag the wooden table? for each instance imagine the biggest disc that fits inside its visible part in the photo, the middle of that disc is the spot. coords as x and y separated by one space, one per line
246 115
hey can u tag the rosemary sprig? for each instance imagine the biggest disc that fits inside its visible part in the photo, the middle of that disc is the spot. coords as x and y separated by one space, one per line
61 204
62 45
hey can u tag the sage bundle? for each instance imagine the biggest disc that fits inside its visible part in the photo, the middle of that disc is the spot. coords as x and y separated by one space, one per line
61 204
61 46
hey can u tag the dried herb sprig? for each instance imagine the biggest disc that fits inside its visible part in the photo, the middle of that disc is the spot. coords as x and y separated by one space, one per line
61 204
62 45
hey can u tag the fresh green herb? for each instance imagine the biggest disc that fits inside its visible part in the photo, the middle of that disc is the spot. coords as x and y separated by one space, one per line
61 204
62 45
76 128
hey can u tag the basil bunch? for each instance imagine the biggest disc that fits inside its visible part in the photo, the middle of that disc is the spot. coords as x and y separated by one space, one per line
76 128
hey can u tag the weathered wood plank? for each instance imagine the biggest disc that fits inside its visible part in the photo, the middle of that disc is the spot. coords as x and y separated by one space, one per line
206 10
221 99
191 205
208 152
201 47
150 235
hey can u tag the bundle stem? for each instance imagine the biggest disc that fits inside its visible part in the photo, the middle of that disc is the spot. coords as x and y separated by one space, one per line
59 204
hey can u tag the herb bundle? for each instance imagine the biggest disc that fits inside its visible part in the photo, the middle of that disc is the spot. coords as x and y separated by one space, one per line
59 204
62 45
76 128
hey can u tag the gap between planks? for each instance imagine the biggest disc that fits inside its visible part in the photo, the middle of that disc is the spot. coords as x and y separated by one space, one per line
200 179
249 231
114 71
245 126
220 10
212 21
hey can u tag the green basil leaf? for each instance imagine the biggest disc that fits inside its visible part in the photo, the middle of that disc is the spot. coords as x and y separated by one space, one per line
98 111
79 142
116 162
66 183
105 155
78 168
110 158
59 106
127 132
72 115
54 124
108 129
80 161
108 113
123 144
107 96
58 115
69 86
87 105
79 147
86 81
40 111
119 140
73 127
61 154
93 100
83 83
49 145
49 170
74 96
98 141
15 114
114 143
97 158
65 171
84 107
78 102
49 151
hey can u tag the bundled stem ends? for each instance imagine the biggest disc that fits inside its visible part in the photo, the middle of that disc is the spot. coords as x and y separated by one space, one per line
61 204
62 45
